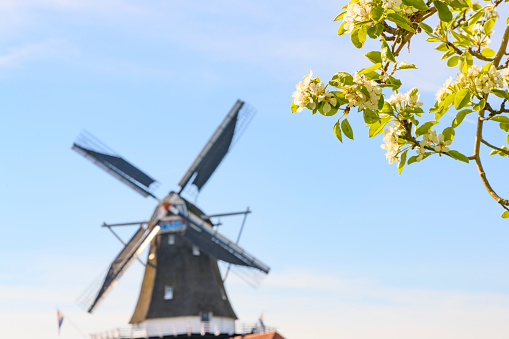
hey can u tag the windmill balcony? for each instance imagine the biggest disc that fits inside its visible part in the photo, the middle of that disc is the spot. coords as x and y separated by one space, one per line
204 331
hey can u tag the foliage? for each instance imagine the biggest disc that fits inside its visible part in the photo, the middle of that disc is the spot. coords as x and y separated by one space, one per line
463 35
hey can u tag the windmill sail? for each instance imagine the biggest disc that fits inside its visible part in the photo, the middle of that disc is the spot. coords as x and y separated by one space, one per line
134 247
217 245
218 145
92 149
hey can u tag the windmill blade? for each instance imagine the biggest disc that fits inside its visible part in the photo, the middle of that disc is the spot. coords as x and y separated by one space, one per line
216 244
218 145
134 247
94 150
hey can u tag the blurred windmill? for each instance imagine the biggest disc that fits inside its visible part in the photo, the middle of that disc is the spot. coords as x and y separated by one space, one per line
182 292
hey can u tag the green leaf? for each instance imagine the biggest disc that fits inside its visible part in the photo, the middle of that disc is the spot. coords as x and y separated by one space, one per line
505 214
448 133
340 98
363 30
402 162
500 118
462 98
458 156
341 29
424 128
337 132
488 26
488 52
507 139
294 107
406 65
386 52
443 11
453 61
378 127
331 112
412 160
500 93
442 47
425 27
419 4
474 18
504 127
354 37
339 16
376 13
459 117
479 106
394 83
400 21
374 56
370 69
370 117
341 79
347 129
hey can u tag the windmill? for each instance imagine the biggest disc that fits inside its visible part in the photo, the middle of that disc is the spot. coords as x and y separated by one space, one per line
182 292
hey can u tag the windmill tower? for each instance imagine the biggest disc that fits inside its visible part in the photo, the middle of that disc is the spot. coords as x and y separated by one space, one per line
182 292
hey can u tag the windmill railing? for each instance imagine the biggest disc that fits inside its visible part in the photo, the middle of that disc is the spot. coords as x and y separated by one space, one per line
158 331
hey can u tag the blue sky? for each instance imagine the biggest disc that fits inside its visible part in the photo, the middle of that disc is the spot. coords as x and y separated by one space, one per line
356 251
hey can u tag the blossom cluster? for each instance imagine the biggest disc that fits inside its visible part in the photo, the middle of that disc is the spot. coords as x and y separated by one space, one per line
477 80
439 144
411 98
357 12
391 145
356 97
311 92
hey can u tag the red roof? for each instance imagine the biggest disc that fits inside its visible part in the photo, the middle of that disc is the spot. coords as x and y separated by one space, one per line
268 335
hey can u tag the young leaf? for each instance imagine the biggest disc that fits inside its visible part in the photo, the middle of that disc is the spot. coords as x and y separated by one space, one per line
354 37
406 65
370 69
347 129
376 13
488 26
443 11
453 61
402 162
374 56
448 133
479 106
386 52
505 214
458 156
462 98
459 117
337 132
341 29
294 107
424 128
500 118
378 127
487 52
400 21
419 4
500 93
504 126
370 117
340 16
425 27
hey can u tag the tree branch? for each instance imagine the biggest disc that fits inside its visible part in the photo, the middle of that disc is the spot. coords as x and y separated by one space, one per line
478 139
495 147
503 46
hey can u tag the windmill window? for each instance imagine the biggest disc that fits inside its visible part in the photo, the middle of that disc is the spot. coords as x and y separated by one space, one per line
168 292
171 239
205 316
196 250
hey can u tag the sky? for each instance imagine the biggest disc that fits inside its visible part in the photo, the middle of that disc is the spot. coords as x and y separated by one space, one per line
355 250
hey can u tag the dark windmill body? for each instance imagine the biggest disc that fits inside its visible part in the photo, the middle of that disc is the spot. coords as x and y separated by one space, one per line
182 292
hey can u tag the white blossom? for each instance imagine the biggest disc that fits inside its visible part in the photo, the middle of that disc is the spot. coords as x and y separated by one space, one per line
441 144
